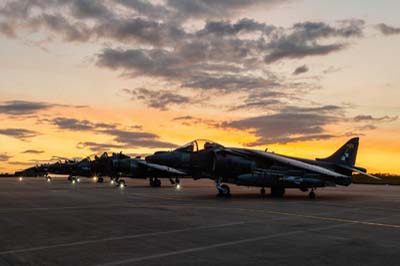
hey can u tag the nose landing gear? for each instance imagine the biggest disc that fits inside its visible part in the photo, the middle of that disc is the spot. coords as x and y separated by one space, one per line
312 195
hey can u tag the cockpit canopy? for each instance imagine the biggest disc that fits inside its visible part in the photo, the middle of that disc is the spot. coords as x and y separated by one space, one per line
198 145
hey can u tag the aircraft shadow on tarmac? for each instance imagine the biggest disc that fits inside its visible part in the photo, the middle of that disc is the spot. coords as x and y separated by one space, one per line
288 197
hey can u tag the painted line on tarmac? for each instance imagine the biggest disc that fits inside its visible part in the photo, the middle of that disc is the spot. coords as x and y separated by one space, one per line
71 244
316 217
214 246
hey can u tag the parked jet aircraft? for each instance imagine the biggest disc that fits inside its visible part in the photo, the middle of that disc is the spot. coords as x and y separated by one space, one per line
247 167
115 166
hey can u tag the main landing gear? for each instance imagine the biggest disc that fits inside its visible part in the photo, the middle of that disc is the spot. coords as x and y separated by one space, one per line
118 182
74 179
223 190
155 182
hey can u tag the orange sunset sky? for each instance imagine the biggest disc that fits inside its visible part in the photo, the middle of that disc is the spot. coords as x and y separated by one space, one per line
300 77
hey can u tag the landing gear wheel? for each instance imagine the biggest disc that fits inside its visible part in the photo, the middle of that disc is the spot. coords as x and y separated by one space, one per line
121 183
262 191
311 195
277 192
224 191
100 180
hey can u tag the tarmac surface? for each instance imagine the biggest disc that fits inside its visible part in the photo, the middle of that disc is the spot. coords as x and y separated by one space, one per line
59 223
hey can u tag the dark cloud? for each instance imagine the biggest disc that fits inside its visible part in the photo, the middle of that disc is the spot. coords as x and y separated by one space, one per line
370 118
146 8
292 50
243 25
262 104
387 30
289 125
18 107
23 107
99 147
303 39
230 83
33 151
73 124
154 62
79 125
211 8
191 121
69 31
135 139
139 30
90 9
301 70
18 133
157 99
4 157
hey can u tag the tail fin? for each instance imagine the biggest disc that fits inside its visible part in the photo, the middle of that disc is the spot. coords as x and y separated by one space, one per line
346 155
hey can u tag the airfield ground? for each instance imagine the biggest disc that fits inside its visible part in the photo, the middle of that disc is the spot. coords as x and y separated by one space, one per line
59 223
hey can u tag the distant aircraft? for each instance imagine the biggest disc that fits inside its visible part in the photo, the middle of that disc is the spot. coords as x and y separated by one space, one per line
34 171
247 167
119 165
115 166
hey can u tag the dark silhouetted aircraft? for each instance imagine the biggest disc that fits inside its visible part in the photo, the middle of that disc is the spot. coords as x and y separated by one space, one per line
247 167
115 166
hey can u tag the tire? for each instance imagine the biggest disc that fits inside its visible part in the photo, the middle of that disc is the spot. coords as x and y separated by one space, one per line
224 191
100 180
262 191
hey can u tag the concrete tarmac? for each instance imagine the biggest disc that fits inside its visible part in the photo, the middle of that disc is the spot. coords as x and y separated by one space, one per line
60 223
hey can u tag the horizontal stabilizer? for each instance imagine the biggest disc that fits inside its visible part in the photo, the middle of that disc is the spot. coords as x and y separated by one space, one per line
358 170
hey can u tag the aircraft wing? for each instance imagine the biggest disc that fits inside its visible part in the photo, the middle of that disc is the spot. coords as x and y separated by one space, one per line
292 162
161 168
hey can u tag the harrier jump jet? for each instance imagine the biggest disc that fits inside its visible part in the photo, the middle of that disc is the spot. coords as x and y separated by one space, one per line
247 167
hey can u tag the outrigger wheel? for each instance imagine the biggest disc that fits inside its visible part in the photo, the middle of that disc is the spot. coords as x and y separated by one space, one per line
224 191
